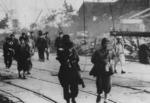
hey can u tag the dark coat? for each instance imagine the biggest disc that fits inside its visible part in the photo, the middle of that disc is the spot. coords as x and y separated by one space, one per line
58 42
15 46
23 57
9 47
100 59
41 43
69 69
8 50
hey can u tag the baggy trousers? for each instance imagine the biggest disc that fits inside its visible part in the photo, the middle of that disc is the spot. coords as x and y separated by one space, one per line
103 84
68 82
41 54
8 60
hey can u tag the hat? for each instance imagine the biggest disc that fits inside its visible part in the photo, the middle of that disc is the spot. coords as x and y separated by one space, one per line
23 33
22 39
40 33
66 37
11 35
105 40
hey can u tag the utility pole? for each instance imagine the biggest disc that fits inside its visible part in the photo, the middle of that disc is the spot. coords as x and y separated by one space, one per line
113 20
84 26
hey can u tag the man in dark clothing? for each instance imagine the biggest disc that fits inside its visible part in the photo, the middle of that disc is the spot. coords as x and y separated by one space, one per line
48 41
41 45
59 39
103 68
68 75
8 52
9 49
59 44
23 57
15 44
24 36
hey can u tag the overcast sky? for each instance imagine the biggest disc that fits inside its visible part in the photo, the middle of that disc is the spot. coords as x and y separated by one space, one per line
28 10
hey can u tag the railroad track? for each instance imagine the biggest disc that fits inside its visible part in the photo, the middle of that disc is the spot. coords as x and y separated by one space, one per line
128 87
12 95
91 93
51 82
36 93
39 95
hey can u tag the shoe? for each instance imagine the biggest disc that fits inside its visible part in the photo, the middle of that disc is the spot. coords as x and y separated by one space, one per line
19 76
43 60
28 73
83 85
68 100
105 101
115 71
98 99
24 77
73 100
123 72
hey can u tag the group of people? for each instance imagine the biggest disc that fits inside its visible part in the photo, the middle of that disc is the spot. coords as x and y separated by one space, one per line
22 49
43 45
104 62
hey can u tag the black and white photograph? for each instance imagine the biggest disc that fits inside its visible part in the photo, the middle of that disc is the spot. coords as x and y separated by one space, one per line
74 51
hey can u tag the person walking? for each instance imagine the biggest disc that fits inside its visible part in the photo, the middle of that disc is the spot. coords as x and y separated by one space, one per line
41 46
24 36
103 69
68 75
9 49
59 44
8 52
48 41
31 44
23 58
120 56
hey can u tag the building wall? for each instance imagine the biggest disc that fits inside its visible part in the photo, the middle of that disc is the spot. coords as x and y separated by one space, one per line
106 18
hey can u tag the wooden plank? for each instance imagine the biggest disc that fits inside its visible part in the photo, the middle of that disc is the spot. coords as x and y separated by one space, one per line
127 33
